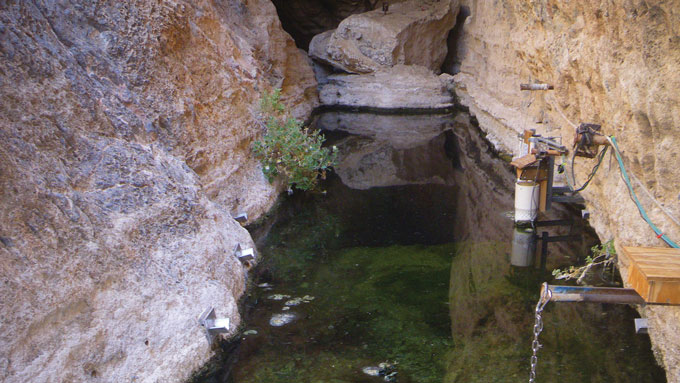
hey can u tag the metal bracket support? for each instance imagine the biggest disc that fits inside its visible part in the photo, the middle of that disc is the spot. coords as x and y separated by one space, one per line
641 326
213 325
241 218
244 255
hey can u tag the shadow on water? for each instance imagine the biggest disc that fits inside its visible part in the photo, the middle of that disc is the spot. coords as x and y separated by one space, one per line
405 260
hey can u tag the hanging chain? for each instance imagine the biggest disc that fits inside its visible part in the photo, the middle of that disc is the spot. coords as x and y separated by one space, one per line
546 294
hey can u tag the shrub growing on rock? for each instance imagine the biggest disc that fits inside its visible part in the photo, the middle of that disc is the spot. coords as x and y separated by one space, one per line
288 149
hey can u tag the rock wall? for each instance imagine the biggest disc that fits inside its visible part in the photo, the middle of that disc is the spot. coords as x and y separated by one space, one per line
615 63
399 87
125 131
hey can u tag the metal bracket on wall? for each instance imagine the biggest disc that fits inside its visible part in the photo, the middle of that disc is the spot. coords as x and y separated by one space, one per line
244 255
241 218
641 326
213 325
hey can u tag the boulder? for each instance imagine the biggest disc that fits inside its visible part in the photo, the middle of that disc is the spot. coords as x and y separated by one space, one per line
411 32
399 87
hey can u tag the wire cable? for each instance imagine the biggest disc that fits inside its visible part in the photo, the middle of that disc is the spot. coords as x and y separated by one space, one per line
600 158
643 213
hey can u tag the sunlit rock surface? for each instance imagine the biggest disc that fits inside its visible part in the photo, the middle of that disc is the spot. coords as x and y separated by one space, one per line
399 87
125 130
411 32
613 64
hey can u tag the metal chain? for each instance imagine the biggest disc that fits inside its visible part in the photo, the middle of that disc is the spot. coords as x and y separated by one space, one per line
546 294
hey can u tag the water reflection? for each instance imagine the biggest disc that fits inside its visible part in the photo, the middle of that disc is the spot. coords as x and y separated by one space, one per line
416 208
390 150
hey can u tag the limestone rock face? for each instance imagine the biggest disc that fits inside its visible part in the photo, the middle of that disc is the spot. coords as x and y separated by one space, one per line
613 64
399 87
125 130
412 32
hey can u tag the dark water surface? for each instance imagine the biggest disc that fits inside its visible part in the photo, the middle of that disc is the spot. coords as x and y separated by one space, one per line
417 275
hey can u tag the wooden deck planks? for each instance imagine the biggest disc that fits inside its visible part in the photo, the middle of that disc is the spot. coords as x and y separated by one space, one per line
523 162
654 273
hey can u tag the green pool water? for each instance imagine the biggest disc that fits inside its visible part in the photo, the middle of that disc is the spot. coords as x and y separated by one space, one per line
392 274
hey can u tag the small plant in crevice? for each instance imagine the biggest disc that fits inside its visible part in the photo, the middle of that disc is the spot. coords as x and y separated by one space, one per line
603 257
290 150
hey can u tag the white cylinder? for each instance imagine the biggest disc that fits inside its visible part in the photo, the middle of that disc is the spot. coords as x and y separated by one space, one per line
526 201
523 247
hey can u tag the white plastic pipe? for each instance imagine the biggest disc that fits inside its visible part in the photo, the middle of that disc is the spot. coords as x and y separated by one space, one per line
526 201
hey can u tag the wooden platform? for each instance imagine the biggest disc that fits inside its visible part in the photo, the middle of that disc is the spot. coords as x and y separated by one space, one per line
654 273
524 161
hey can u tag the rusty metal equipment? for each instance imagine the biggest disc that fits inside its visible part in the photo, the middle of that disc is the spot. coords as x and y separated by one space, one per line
536 87
588 139
537 163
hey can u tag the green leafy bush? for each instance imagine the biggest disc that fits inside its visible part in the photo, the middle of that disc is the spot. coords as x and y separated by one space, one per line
290 150
603 256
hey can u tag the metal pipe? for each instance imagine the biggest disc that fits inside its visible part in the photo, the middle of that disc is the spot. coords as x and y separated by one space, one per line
595 139
555 222
535 87
593 294
563 238
544 250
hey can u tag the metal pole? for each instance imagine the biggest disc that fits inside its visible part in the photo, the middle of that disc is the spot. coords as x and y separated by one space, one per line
544 249
564 238
551 173
593 294
555 222
535 87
